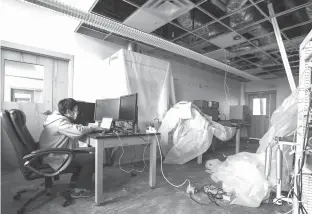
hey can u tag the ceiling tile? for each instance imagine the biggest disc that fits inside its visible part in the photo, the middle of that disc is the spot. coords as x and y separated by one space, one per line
227 39
192 20
115 9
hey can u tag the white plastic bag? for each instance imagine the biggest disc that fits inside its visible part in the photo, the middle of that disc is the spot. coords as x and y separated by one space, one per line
243 175
191 138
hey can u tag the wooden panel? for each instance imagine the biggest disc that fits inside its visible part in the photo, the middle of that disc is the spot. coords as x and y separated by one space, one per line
47 85
60 81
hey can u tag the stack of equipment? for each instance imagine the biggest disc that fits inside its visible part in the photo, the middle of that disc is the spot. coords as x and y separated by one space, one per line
210 108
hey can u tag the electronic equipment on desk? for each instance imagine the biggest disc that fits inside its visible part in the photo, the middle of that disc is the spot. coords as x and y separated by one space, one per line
128 112
106 108
86 113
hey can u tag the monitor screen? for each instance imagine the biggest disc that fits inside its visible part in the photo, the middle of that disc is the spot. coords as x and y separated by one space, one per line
86 113
128 107
108 108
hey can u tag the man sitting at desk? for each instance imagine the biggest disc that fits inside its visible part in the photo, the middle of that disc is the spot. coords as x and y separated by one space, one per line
60 132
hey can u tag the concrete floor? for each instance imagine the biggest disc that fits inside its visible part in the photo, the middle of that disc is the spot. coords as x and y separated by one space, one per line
131 194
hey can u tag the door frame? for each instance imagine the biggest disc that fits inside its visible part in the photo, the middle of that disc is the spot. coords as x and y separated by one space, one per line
247 94
5 45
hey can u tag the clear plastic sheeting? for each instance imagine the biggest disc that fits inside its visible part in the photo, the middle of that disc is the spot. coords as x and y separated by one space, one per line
150 77
243 176
282 124
187 133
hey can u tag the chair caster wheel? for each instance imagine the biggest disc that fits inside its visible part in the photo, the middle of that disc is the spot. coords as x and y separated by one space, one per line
17 197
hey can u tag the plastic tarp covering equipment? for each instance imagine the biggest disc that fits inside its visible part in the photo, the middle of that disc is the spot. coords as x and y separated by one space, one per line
242 175
187 133
150 77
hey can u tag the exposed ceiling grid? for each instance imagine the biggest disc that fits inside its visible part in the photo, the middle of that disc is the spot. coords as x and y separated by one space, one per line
241 29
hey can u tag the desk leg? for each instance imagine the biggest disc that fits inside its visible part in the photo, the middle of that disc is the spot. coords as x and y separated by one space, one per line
237 141
153 159
99 150
200 159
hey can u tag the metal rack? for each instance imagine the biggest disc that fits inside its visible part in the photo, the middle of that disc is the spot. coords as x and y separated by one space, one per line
304 92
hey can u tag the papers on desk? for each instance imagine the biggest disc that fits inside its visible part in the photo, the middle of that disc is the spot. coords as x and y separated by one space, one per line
106 123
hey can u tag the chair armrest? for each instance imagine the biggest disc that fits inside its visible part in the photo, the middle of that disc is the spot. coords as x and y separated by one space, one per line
38 153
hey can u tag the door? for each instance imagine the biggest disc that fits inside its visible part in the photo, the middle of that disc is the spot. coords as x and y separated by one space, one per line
33 84
262 106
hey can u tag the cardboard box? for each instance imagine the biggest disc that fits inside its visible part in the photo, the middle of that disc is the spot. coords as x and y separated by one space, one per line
239 112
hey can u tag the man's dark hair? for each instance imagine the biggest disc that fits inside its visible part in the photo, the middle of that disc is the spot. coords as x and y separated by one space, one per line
66 104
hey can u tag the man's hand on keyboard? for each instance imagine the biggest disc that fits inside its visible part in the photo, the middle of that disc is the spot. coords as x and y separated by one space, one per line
96 128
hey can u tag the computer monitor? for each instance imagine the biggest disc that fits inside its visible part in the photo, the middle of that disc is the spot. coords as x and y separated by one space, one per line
108 108
86 113
128 108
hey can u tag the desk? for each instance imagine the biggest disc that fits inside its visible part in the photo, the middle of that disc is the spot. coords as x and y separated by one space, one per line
102 141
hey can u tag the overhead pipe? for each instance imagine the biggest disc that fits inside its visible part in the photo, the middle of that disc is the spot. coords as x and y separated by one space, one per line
126 31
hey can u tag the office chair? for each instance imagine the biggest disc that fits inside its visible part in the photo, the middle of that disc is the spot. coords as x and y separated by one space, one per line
29 157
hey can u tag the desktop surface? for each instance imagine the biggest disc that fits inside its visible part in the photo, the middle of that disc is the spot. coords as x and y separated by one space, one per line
104 135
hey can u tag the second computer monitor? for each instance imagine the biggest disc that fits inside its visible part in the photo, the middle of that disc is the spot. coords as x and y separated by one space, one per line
128 108
108 108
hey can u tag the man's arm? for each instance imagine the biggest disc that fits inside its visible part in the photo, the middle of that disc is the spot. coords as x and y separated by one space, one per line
73 130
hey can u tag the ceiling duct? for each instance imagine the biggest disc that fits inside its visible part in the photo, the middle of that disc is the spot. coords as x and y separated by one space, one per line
128 32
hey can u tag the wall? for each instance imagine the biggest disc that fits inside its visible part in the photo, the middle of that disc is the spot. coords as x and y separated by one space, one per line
30 25
195 84
281 86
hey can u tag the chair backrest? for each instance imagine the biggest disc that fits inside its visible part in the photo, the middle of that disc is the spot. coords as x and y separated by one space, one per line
20 148
18 119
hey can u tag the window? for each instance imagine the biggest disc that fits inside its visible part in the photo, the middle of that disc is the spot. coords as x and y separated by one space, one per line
23 82
259 106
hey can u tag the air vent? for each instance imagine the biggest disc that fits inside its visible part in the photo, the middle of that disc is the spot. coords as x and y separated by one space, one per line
169 9
156 13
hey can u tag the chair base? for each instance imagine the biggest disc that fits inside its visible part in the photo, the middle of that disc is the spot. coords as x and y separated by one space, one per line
67 199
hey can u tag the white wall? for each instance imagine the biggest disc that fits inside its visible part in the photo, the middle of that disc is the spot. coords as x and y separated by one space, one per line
195 84
32 26
281 86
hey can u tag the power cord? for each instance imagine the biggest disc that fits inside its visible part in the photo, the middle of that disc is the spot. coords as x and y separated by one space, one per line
161 168
123 151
